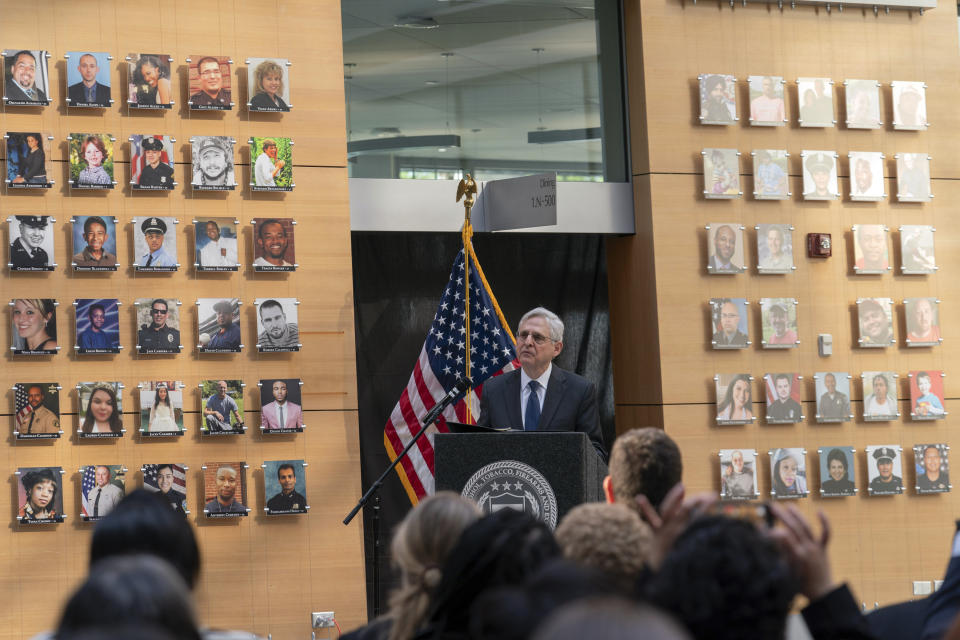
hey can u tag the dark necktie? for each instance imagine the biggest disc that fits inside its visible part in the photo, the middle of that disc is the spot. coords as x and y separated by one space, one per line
149 260
532 416
30 94
96 504
33 414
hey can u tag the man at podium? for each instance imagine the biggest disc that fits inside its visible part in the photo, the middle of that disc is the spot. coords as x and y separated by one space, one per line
540 396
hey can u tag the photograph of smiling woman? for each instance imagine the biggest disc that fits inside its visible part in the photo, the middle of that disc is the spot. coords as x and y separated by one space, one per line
101 411
149 87
34 326
39 495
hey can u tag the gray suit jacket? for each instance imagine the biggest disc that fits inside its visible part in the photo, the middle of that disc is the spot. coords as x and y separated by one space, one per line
570 405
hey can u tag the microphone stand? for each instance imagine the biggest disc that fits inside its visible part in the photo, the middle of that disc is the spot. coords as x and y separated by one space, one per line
459 389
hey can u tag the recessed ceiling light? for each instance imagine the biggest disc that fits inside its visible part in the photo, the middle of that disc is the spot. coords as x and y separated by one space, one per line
431 83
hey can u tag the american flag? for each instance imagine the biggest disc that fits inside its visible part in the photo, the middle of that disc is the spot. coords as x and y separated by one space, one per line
20 400
179 478
442 363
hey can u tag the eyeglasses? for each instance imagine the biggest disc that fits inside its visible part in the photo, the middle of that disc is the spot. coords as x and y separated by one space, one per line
158 312
539 339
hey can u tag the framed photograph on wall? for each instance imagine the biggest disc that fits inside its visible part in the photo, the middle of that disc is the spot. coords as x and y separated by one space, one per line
738 474
721 173
158 325
281 405
909 105
863 104
98 325
161 408
734 398
917 255
815 96
268 83
91 160
148 77
94 243
27 78
272 164
155 243
221 404
837 472
820 175
875 320
36 411
767 108
27 160
871 253
216 244
225 489
209 83
926 395
88 79
34 326
718 98
788 473
102 487
833 396
728 323
779 317
884 470
923 322
774 248
771 175
783 398
213 168
31 243
913 177
101 409
725 248
284 487
932 467
218 325
866 176
151 163
168 479
880 396
40 495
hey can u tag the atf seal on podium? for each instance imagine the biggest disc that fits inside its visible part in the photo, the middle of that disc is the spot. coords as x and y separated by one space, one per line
510 484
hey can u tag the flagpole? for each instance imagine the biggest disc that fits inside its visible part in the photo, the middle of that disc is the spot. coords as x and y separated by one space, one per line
467 189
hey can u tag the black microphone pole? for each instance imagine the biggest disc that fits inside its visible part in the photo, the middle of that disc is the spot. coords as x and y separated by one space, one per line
462 386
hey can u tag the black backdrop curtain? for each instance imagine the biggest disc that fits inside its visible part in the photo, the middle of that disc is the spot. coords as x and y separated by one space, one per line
398 279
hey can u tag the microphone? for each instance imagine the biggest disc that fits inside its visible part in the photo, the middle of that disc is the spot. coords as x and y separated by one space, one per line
463 385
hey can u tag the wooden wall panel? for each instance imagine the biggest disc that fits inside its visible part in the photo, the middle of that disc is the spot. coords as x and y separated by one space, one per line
660 289
277 570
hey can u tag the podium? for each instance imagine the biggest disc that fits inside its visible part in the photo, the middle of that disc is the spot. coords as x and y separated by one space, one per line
545 473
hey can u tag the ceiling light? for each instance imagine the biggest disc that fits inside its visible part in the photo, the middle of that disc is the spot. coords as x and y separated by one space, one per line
412 22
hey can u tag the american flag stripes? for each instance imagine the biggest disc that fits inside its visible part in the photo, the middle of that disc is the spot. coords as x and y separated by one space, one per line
442 362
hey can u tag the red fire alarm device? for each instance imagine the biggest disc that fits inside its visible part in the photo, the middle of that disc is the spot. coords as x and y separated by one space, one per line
819 245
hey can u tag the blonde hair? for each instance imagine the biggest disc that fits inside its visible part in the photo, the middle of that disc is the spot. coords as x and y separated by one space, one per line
420 547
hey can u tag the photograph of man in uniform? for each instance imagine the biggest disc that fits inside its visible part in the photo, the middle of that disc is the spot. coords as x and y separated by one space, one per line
770 174
884 470
833 396
729 323
866 171
721 173
836 471
37 407
151 163
273 249
774 248
88 84
724 248
39 495
277 324
766 101
170 481
219 325
879 395
863 104
913 177
27 78
916 249
718 99
225 489
159 322
213 163
31 245
816 102
26 161
210 83
280 405
222 406
287 491
216 242
923 322
738 480
94 244
819 175
156 249
102 490
779 317
875 317
870 248
98 325
926 395
932 467
783 395
273 168
909 105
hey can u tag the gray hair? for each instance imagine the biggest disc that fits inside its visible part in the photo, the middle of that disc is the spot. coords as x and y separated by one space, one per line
553 320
